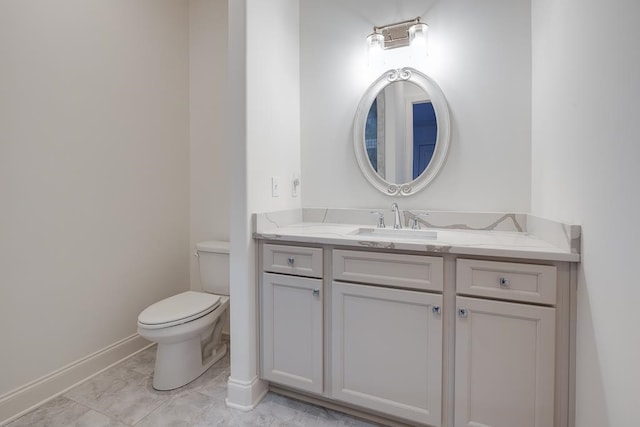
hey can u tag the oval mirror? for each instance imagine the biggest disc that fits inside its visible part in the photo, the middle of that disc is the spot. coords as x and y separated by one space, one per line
401 132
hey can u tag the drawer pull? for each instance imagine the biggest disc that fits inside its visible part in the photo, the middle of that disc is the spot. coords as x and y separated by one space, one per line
316 292
462 312
291 260
505 282
436 309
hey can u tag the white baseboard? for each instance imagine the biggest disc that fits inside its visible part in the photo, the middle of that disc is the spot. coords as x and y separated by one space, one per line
245 395
23 399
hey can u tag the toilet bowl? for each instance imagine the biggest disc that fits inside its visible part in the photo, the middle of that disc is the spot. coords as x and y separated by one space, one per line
188 327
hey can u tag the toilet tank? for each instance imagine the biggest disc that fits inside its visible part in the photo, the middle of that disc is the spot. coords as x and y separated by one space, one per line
213 263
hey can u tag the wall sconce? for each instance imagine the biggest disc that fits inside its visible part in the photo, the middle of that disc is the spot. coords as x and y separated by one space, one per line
412 33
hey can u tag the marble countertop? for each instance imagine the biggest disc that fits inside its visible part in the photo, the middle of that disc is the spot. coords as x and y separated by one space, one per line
461 239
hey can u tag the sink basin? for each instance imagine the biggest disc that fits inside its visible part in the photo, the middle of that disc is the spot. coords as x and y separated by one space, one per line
392 233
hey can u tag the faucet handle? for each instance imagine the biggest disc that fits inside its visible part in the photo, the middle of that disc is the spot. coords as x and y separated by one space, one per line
380 214
415 224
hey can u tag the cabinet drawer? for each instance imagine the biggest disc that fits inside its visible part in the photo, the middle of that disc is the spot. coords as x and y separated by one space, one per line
405 271
295 260
507 280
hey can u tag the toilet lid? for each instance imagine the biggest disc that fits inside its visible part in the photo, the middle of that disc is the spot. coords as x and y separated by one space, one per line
179 308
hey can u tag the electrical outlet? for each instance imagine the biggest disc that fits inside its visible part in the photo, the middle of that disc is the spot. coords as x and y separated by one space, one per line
295 185
275 186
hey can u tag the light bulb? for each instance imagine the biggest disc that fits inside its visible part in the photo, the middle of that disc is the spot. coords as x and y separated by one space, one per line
375 47
418 40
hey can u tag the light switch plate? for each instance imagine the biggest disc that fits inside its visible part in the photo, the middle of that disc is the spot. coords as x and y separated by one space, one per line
275 186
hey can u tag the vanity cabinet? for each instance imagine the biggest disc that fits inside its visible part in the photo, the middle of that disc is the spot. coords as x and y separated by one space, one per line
291 317
504 350
420 339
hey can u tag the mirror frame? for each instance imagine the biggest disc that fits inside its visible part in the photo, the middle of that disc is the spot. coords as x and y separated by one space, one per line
439 103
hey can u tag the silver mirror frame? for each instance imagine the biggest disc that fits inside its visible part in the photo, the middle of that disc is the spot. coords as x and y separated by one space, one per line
439 103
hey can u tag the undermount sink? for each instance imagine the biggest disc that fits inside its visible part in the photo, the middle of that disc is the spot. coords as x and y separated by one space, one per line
393 233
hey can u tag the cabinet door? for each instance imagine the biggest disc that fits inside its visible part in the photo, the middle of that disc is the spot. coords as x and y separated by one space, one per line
504 370
387 350
291 331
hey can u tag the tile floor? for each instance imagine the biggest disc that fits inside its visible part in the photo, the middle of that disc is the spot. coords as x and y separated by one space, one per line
123 396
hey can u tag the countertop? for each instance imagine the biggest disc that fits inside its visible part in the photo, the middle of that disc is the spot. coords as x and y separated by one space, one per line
479 242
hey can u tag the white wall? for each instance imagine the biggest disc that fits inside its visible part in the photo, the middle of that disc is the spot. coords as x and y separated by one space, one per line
585 152
265 134
273 107
94 177
481 58
210 148
243 325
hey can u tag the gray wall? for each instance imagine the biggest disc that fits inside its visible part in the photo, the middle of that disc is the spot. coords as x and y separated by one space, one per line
94 174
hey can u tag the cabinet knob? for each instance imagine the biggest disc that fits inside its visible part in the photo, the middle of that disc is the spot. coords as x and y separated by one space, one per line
462 312
316 292
291 260
436 309
504 282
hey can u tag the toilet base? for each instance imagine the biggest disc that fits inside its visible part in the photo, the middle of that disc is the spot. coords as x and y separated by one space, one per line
180 363
185 351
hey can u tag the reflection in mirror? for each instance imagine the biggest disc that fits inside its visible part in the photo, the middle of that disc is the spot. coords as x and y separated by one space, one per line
400 132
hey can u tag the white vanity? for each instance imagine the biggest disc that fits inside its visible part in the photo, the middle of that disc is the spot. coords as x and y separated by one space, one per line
464 319
472 325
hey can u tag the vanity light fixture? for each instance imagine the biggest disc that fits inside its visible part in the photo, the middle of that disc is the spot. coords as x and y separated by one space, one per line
411 33
400 34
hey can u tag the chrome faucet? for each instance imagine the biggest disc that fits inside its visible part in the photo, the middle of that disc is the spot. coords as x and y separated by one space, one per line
397 222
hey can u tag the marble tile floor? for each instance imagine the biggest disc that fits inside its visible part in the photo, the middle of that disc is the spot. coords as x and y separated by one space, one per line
123 396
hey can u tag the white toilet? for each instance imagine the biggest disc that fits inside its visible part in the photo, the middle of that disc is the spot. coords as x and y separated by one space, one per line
188 326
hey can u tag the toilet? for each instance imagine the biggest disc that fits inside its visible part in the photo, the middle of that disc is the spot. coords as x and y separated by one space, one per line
188 327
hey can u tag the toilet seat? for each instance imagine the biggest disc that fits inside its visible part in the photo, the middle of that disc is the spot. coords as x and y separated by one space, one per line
178 309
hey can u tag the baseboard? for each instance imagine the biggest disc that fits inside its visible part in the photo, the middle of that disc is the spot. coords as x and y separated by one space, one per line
245 395
23 399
